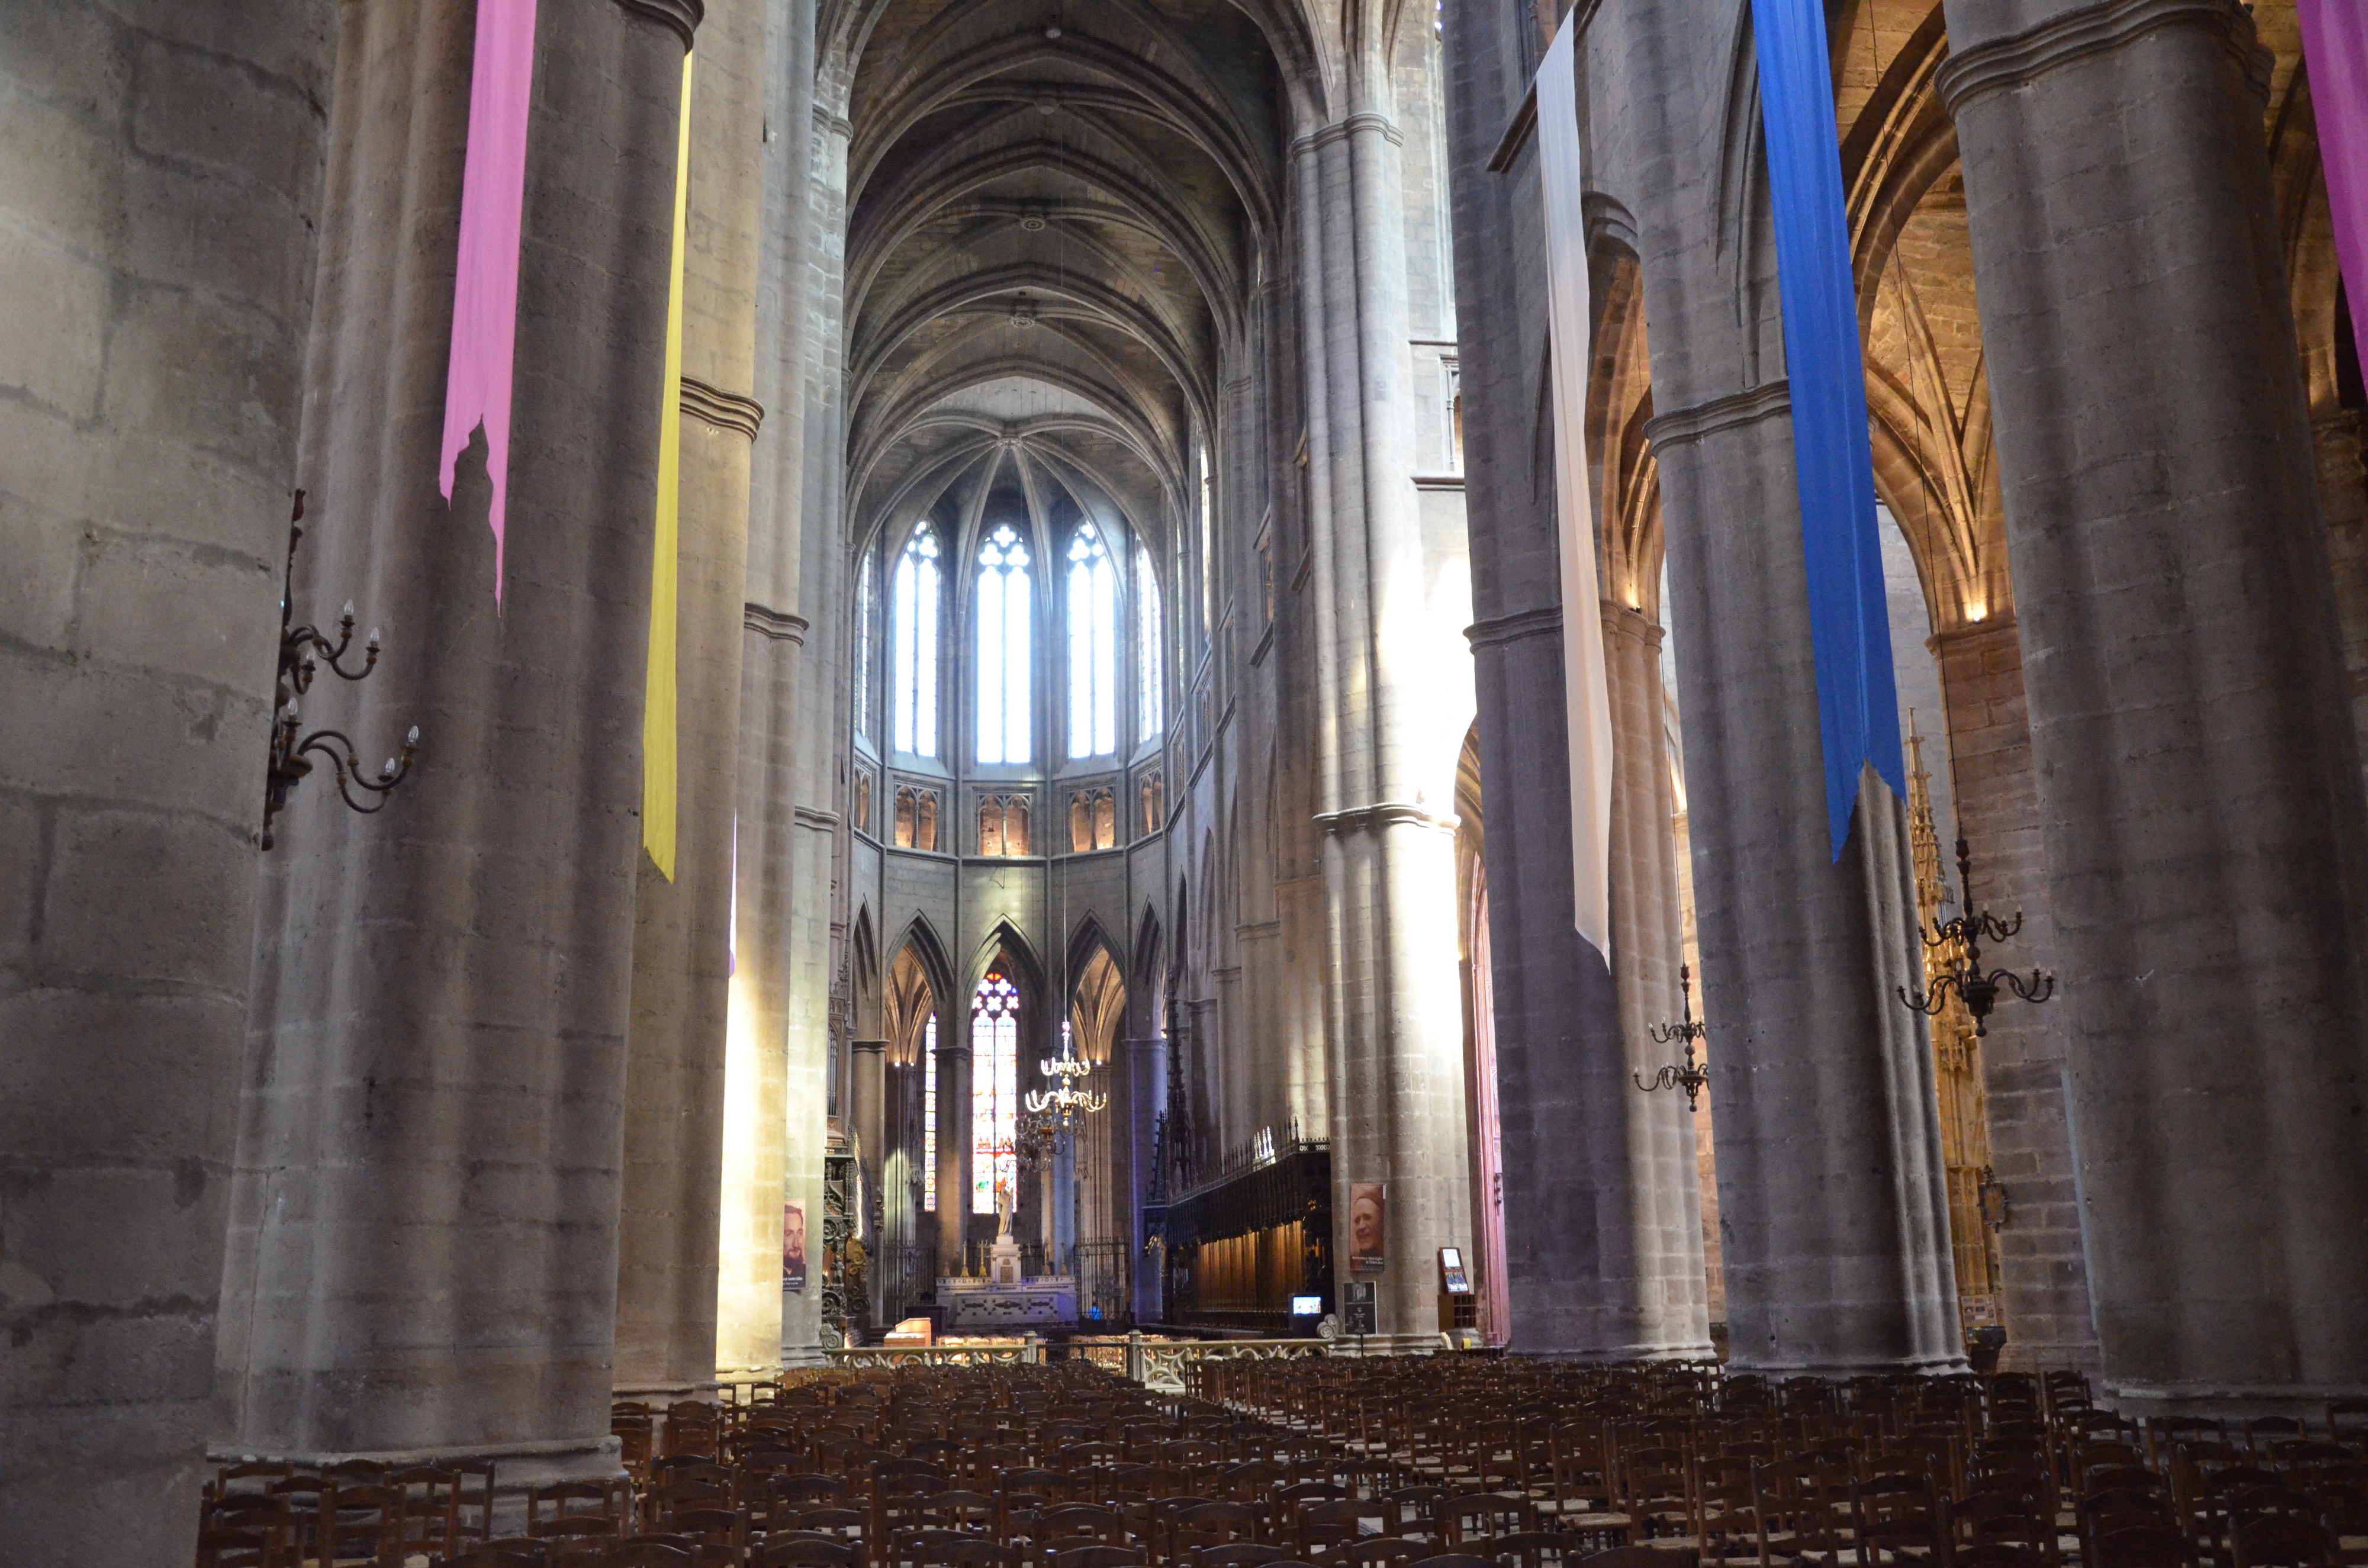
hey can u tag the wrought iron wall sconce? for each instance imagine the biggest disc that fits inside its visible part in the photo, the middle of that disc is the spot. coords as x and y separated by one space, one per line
302 650
1690 1077
1963 974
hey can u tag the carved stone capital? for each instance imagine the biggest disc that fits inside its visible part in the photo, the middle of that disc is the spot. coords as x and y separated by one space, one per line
2018 59
682 15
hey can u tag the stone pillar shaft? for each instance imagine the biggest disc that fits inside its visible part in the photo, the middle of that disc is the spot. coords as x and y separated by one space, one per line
2043 1273
163 196
423 1253
671 1242
1389 869
2198 780
1831 1190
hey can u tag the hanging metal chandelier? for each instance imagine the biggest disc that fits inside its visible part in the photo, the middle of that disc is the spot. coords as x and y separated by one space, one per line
1068 1096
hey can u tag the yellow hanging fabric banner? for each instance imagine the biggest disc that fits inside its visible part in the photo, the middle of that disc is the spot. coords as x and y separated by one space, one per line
660 762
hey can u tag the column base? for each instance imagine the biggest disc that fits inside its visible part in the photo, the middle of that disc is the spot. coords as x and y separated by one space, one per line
1705 1352
1932 1366
670 1391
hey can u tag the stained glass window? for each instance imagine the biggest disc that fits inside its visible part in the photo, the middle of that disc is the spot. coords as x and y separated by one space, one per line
994 1091
914 615
1093 645
930 1114
1151 670
1004 628
866 721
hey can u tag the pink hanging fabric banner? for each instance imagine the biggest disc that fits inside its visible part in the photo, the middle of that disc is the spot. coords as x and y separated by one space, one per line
485 286
2335 51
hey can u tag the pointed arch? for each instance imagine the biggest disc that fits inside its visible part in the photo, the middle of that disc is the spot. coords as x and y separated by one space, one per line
921 940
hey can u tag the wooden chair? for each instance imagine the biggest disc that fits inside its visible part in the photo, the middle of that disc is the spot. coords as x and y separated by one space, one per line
430 1523
577 1508
1234 1554
1482 1515
2282 1541
1099 1554
2141 1546
359 1522
1392 1551
1529 1548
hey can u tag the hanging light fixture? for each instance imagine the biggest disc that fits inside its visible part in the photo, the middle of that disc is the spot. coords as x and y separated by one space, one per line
1068 1097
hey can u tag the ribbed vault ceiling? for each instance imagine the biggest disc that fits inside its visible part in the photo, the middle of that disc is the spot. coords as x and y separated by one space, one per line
1058 210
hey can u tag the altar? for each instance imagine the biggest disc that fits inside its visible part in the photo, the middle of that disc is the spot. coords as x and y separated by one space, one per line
1007 1301
973 1306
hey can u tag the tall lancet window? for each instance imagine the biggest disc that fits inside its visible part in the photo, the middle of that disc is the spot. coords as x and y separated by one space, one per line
914 630
1093 645
993 1092
1151 669
1004 716
867 627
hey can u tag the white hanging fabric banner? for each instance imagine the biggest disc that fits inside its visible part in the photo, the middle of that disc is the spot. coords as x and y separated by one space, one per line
1588 700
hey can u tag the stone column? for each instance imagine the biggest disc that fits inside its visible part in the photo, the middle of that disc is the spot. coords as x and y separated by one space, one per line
953 1150
1595 1172
1147 1059
2043 1273
1656 1187
670 1243
424 1247
163 190
1831 1191
2197 781
1388 860
867 1115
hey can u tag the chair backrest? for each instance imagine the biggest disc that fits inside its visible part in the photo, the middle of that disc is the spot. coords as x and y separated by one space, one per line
1380 1549
1100 1555
2280 1540
1236 1555
2141 1546
1636 1557
803 1551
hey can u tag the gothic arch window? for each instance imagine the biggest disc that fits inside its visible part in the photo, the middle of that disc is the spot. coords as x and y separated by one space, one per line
1151 668
866 722
915 628
995 1091
1154 804
1004 644
1093 645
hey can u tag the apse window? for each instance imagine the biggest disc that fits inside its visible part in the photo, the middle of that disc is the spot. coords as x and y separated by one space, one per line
866 678
1003 614
914 616
1093 646
930 1114
995 1092
1151 669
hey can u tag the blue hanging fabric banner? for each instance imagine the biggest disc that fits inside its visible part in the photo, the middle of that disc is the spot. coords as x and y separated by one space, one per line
1857 705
